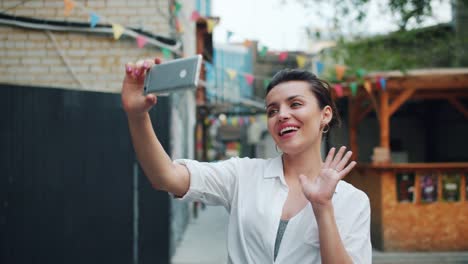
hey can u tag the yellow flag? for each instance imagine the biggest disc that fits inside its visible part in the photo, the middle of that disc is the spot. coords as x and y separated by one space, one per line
301 60
368 86
340 70
232 73
118 30
210 25
69 5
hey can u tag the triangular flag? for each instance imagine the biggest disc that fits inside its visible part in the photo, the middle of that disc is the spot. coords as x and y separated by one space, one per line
177 7
265 83
338 90
263 51
301 60
178 26
93 19
360 72
241 121
340 70
320 67
141 41
377 82
249 78
195 16
383 83
69 5
247 43
210 23
368 86
232 73
283 56
118 30
229 35
235 121
353 87
167 54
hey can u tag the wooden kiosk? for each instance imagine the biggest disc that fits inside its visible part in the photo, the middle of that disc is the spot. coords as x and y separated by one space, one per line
415 224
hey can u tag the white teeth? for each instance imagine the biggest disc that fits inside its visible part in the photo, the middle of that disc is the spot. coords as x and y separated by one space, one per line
287 129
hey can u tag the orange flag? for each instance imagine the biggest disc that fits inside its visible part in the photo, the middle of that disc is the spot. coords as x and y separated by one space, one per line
340 70
69 5
368 86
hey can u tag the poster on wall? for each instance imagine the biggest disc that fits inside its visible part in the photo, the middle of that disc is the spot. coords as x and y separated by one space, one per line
405 187
428 187
451 187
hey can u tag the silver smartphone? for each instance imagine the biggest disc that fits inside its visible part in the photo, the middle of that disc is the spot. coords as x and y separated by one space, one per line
175 75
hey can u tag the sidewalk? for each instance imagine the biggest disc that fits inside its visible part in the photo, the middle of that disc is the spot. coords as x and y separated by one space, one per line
204 242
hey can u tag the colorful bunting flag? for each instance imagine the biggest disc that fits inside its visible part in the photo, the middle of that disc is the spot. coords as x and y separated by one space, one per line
301 60
353 87
231 73
247 43
178 26
338 90
340 70
265 83
93 19
283 56
195 16
69 5
210 23
368 86
229 35
383 83
141 41
320 67
263 51
118 30
167 54
177 7
360 72
249 78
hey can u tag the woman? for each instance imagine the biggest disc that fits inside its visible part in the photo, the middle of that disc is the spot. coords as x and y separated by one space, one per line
289 209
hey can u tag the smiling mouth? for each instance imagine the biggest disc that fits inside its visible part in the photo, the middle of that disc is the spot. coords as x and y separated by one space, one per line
288 130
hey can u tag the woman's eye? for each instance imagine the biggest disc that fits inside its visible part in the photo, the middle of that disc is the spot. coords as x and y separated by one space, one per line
296 104
272 112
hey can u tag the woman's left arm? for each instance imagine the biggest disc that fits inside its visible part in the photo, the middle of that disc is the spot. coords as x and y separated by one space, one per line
319 191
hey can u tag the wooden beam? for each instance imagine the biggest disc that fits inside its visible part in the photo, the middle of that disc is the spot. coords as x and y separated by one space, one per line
440 95
430 82
459 106
401 99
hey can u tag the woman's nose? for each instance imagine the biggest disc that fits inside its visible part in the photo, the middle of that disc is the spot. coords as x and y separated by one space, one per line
283 114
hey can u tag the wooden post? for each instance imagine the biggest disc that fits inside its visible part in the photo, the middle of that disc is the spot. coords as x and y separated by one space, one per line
384 120
353 104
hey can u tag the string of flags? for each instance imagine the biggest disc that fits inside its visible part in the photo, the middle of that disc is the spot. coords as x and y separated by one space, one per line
117 29
237 120
301 60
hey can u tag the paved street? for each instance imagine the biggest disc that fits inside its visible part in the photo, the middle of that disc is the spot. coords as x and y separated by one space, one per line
204 242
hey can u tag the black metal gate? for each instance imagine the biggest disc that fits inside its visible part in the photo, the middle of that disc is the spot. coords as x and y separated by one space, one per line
66 181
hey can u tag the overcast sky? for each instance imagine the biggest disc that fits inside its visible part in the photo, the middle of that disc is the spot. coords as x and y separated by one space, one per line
282 26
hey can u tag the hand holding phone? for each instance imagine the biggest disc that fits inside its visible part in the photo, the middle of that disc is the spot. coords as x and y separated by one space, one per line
175 75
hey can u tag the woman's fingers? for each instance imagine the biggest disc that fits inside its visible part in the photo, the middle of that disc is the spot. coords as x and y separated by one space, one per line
337 158
347 169
329 158
343 161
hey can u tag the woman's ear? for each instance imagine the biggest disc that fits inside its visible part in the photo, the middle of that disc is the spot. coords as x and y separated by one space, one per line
327 114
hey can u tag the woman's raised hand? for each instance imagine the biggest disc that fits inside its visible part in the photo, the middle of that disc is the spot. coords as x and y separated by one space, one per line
134 102
319 190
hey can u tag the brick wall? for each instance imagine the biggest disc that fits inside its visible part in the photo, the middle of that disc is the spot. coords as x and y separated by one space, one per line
29 57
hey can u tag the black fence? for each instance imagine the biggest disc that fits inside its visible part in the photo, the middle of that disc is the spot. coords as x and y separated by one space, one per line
67 181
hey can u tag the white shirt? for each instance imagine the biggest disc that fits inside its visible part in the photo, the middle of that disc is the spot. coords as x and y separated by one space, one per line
254 192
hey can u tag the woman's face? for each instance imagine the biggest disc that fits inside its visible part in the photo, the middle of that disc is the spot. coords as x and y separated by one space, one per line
294 116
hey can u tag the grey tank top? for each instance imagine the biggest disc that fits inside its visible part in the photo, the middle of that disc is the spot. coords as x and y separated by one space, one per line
279 235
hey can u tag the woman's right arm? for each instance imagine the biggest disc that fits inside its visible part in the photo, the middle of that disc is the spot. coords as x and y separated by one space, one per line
156 163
